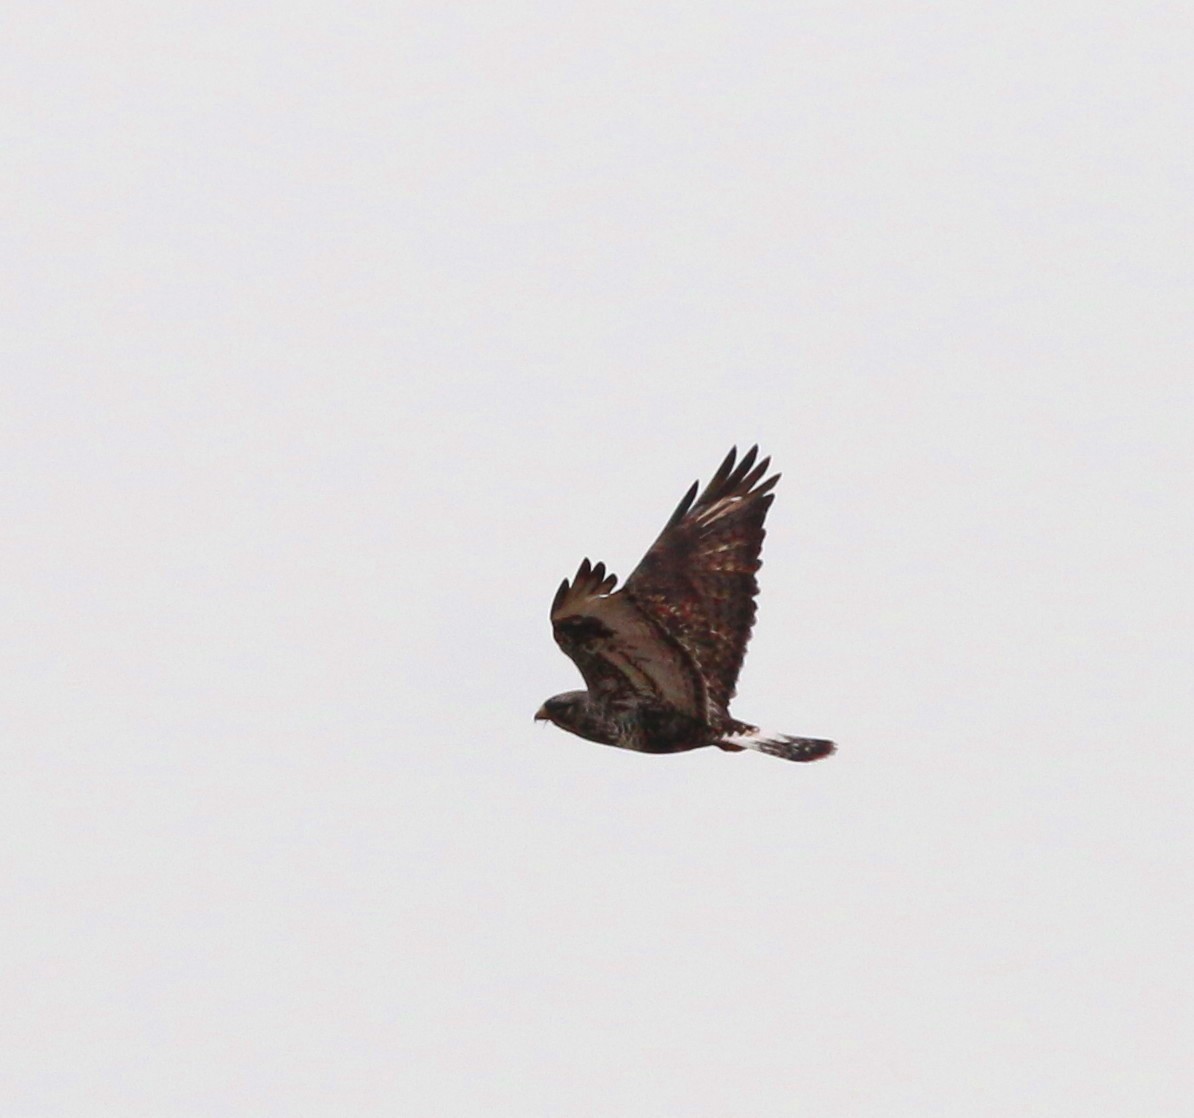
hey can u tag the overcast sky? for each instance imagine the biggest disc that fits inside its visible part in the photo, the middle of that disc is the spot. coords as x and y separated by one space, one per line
335 336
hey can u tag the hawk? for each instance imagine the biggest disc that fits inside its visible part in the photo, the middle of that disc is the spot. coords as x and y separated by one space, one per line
661 656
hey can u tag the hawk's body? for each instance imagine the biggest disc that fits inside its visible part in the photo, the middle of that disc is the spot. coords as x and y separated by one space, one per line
661 656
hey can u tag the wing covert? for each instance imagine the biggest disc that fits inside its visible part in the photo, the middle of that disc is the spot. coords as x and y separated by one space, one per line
620 649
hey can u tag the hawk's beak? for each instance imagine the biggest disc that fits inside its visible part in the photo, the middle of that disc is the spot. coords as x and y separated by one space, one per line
541 715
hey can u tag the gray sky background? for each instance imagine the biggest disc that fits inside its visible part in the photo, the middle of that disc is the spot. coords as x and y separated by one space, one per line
335 336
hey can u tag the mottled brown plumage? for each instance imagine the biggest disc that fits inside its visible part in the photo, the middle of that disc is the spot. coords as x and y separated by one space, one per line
661 657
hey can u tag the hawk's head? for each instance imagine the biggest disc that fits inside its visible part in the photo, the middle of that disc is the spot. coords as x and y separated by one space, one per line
575 712
562 709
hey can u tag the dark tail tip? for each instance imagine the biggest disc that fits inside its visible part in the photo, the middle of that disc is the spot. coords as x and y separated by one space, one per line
798 749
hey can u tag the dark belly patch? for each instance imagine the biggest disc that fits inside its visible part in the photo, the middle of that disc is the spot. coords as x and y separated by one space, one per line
666 730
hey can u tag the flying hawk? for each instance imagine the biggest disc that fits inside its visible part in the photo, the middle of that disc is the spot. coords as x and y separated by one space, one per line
661 656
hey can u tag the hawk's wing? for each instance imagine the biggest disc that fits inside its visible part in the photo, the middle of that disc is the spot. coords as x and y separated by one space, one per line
618 647
697 582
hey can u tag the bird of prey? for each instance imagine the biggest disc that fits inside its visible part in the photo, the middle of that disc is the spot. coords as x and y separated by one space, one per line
661 656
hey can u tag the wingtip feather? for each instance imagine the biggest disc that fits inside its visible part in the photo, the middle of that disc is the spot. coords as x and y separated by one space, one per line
748 460
685 504
565 585
590 580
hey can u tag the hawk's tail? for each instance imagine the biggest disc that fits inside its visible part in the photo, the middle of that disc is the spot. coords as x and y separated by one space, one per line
778 745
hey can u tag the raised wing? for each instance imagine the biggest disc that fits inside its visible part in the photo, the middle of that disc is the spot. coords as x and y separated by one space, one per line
619 649
697 581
